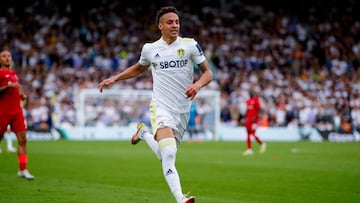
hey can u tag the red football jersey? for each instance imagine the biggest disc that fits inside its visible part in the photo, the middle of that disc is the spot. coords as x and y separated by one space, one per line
10 100
253 107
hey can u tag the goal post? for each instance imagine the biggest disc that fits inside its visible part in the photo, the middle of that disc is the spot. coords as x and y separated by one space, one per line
124 108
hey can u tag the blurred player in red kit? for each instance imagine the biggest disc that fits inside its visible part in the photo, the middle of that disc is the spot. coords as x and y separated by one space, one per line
11 95
253 109
9 143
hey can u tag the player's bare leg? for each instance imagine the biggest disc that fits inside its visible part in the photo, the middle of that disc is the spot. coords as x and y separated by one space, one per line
22 156
9 142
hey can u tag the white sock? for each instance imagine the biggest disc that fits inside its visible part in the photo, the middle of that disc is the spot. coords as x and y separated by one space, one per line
168 151
153 144
9 143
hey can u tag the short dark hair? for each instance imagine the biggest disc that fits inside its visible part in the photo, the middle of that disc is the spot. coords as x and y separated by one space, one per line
164 10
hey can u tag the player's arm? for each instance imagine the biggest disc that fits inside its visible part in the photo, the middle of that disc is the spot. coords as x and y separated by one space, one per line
23 96
261 110
205 78
10 84
130 72
3 87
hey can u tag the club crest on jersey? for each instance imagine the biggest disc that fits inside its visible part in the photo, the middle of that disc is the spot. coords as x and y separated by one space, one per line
181 52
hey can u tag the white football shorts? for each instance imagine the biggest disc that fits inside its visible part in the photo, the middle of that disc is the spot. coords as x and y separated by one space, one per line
161 118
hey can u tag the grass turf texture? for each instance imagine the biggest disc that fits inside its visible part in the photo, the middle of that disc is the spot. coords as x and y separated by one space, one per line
215 172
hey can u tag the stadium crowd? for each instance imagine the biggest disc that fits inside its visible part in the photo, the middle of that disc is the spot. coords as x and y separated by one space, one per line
304 63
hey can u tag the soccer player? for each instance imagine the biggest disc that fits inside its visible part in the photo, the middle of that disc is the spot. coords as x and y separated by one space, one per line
171 59
253 108
11 111
9 142
192 125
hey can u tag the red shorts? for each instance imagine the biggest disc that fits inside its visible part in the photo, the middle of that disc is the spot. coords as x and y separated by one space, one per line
17 123
251 126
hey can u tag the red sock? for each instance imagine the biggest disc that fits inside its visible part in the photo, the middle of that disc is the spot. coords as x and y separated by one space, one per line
22 158
248 141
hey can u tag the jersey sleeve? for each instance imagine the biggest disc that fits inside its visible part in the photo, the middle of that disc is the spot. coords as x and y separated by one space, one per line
197 52
144 57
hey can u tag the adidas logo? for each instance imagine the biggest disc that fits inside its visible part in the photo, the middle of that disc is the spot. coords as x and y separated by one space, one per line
157 56
169 172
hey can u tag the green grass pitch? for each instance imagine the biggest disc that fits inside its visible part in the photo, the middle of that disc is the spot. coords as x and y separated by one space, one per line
215 172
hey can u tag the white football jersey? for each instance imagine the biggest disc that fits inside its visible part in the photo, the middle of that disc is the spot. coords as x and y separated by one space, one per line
172 69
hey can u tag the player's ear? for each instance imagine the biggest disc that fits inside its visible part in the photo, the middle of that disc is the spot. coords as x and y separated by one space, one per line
160 26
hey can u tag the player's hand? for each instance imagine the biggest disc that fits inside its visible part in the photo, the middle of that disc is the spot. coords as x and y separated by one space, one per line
23 96
107 82
191 91
253 126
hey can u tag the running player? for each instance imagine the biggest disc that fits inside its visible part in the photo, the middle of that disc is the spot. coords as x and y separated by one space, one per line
171 59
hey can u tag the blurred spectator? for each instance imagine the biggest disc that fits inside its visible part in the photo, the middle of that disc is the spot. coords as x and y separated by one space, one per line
303 61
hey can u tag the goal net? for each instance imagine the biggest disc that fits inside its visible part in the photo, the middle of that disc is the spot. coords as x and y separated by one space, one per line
121 109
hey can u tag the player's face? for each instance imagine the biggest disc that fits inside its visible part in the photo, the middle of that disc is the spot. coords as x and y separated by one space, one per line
5 59
169 25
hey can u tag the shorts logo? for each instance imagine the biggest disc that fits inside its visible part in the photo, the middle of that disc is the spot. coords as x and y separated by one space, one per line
181 52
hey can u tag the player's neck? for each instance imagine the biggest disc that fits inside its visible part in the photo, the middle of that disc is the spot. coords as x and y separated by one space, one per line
169 40
6 67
